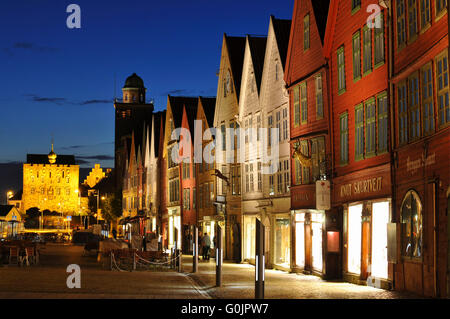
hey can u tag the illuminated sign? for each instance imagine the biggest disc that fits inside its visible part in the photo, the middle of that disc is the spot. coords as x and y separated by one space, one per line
371 185
323 195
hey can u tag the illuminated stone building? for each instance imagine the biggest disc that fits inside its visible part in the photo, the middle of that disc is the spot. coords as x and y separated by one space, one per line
95 175
51 182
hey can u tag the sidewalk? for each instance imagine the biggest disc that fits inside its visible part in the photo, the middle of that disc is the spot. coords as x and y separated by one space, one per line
238 283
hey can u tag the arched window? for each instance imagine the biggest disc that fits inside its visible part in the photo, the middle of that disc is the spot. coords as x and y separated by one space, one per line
411 221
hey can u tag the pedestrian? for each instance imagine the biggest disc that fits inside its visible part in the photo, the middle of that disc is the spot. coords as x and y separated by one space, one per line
114 233
206 243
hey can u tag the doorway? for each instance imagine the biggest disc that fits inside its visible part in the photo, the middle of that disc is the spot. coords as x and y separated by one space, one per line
380 219
354 239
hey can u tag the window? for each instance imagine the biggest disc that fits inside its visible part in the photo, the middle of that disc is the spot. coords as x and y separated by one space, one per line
411 225
359 132
427 100
344 138
298 172
285 124
441 6
319 96
271 186
258 127
200 196
296 108
259 177
442 89
252 188
278 125
367 53
341 70
318 157
286 176
194 198
207 196
425 14
279 179
306 32
403 114
401 28
356 4
247 179
304 103
304 146
412 19
379 41
413 107
357 56
370 127
382 123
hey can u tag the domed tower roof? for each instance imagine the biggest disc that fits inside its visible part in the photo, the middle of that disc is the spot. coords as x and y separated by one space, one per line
134 82
52 156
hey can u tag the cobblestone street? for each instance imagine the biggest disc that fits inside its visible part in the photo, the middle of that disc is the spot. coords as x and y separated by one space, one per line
48 280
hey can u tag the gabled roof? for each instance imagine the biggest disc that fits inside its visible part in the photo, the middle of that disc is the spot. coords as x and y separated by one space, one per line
160 120
209 107
236 50
257 52
191 113
43 159
177 103
282 29
5 209
321 14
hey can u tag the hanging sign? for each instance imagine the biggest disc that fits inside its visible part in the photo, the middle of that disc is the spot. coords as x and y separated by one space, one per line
323 195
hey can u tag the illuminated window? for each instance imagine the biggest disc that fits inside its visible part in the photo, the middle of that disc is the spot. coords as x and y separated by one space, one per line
285 124
304 103
413 107
412 19
296 107
379 41
441 7
370 124
259 177
382 123
356 4
443 108
344 138
359 132
357 56
306 33
403 114
304 146
411 222
319 96
425 13
367 53
427 99
341 70
401 30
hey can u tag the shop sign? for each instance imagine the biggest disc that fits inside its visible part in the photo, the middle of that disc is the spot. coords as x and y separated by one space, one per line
413 166
367 186
323 195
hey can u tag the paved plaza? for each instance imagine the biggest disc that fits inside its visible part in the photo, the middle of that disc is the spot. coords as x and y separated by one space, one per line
48 280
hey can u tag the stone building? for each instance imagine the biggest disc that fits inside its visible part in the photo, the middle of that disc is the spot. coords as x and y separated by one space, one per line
51 182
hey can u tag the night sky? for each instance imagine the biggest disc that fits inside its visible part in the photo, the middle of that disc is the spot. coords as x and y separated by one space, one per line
59 82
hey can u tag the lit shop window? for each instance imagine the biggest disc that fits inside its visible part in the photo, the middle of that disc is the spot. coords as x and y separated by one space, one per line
411 222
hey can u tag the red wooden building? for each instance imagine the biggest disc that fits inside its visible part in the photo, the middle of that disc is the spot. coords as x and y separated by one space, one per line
420 99
361 183
306 78
188 177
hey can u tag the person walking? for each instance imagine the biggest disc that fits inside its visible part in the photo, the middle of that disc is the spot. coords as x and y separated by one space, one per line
206 243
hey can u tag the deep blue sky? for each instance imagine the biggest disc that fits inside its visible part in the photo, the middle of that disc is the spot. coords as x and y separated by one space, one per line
59 81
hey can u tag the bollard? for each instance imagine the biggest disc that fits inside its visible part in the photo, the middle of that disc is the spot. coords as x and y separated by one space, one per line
195 251
219 257
259 263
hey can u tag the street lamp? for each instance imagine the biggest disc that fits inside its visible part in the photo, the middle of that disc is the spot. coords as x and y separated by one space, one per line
9 195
